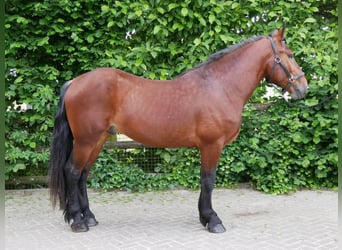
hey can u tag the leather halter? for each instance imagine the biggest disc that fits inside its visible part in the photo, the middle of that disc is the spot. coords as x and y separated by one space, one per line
277 60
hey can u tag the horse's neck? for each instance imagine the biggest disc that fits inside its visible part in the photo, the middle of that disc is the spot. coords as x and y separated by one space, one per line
241 71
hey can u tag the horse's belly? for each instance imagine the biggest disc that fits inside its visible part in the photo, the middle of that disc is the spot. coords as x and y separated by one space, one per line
159 135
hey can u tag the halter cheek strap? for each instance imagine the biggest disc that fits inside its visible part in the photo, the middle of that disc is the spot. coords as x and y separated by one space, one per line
278 61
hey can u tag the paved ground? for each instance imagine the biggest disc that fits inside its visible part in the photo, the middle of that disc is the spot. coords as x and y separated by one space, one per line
169 220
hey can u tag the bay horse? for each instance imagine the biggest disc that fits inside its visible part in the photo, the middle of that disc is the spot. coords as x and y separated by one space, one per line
200 108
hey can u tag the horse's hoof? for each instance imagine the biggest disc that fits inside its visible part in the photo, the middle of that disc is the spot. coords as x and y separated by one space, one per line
91 222
79 227
219 228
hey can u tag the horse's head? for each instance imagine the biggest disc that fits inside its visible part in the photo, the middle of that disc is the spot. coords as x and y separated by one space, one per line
283 69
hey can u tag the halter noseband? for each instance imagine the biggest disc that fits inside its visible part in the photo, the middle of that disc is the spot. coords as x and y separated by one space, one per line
277 60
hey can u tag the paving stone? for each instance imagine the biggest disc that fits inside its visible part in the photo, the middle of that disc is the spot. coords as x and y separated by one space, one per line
169 220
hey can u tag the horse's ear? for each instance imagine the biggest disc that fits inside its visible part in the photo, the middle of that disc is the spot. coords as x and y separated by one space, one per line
275 32
282 31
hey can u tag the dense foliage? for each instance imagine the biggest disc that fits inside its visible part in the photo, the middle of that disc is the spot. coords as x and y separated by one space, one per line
279 150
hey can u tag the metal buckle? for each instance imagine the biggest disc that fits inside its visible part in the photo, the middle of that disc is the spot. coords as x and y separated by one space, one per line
277 60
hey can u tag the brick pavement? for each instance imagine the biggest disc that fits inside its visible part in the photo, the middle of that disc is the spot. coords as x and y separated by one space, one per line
169 220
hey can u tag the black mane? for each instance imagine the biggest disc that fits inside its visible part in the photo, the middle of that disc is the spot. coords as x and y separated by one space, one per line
224 52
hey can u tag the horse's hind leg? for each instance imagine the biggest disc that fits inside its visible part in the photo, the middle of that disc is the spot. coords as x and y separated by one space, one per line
88 216
209 156
75 172
73 210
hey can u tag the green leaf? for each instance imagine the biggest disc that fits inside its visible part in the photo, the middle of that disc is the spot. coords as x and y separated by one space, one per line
212 18
197 41
235 5
160 10
297 137
110 24
310 20
22 20
19 166
105 8
171 6
316 140
156 29
90 38
306 163
202 21
314 9
184 11
177 26
43 41
217 29
154 54
226 38
166 157
139 61
138 12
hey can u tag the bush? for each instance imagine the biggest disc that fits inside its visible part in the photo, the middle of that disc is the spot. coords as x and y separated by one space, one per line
48 43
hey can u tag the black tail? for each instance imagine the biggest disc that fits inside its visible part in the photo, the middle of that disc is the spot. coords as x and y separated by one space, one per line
61 148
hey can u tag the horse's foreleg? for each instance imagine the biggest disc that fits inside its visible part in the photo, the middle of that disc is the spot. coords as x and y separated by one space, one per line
208 217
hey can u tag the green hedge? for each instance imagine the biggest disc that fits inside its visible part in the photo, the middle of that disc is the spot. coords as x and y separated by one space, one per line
281 149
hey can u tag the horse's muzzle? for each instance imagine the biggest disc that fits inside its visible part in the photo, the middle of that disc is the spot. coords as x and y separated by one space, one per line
299 91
